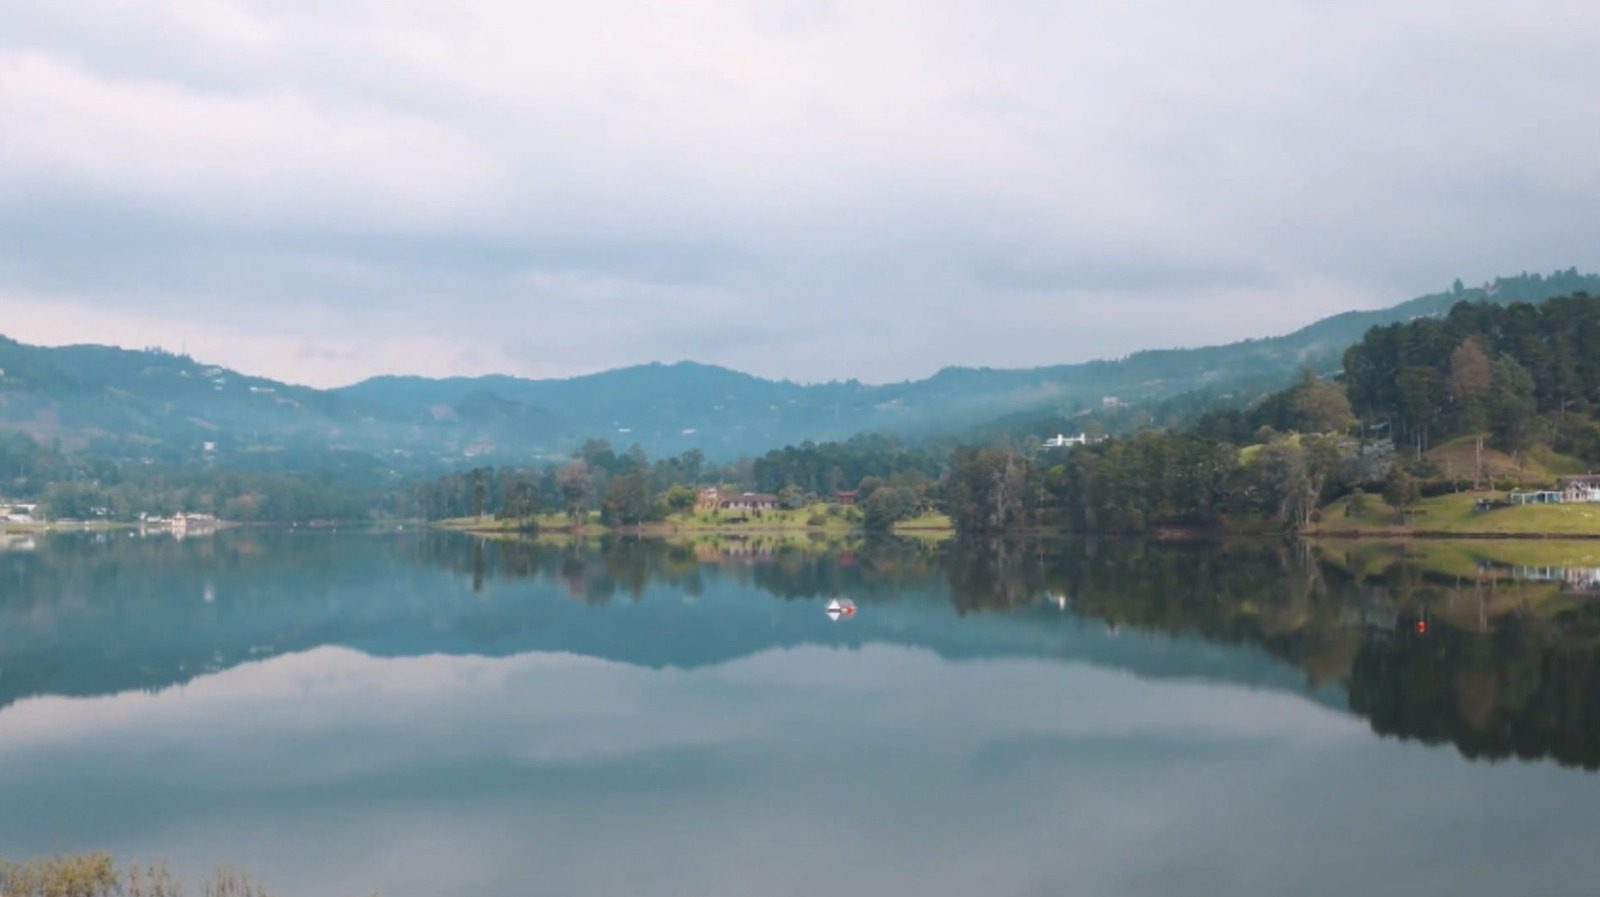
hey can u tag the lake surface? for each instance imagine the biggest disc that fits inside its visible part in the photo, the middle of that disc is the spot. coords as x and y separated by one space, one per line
430 714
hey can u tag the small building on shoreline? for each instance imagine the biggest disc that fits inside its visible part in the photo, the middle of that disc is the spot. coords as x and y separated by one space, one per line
729 500
1582 489
180 524
18 512
1537 497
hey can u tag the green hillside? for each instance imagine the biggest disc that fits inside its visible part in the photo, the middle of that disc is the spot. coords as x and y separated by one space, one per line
1429 427
151 407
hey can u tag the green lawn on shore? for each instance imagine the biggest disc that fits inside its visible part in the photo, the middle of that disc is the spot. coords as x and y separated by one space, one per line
814 516
818 517
1453 514
488 524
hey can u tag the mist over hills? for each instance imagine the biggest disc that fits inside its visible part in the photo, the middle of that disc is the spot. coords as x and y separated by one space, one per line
156 407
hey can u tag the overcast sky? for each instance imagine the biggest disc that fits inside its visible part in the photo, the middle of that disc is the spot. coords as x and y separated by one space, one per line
323 191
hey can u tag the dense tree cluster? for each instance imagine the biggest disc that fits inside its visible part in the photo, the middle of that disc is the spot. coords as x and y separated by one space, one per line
626 487
27 467
1524 373
892 482
827 467
1193 476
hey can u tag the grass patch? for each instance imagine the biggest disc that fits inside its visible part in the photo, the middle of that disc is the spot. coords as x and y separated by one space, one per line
930 520
1454 515
550 521
93 526
812 517
819 518
97 875
1555 462
1540 464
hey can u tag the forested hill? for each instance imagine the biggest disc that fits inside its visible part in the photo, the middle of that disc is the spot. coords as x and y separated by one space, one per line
155 407
1321 345
1523 374
670 408
1486 398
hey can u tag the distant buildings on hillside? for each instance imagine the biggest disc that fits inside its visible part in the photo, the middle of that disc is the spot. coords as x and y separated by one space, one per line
23 542
1061 440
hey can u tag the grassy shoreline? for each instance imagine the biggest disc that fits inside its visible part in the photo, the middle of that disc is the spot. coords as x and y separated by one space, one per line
491 526
1453 516
1449 516
813 519
98 526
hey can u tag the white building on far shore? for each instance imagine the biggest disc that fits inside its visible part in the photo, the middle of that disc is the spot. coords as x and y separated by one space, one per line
18 512
1061 440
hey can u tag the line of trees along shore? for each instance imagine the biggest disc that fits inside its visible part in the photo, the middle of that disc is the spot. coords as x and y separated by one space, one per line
1524 377
1521 376
1127 484
892 481
1527 373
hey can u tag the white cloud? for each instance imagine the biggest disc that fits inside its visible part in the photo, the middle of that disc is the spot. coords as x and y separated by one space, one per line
273 159
1164 170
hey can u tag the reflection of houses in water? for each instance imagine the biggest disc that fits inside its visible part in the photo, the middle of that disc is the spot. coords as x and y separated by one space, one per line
722 551
1571 579
180 525
17 543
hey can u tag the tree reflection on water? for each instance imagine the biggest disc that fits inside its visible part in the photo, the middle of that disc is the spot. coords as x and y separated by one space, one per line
1479 655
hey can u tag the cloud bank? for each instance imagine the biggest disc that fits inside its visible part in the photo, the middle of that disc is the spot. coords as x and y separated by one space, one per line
811 190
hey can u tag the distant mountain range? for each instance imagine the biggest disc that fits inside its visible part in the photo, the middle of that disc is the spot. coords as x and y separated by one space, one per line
158 407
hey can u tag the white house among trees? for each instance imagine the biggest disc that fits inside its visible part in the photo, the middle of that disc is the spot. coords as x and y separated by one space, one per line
727 500
1572 490
1585 488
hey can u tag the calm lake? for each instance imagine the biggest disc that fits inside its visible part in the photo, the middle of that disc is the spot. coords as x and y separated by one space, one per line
431 714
